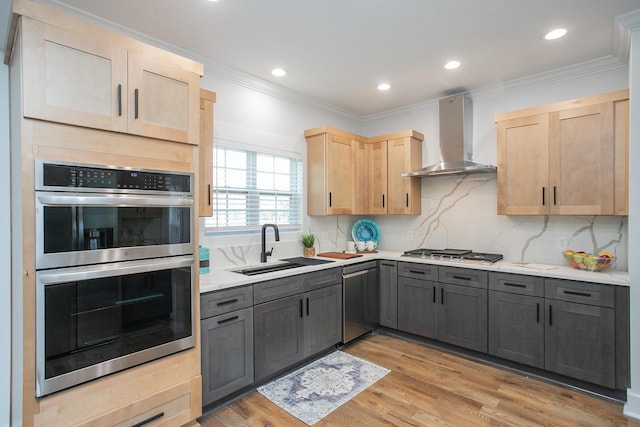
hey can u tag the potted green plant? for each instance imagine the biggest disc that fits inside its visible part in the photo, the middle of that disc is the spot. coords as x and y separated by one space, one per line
308 240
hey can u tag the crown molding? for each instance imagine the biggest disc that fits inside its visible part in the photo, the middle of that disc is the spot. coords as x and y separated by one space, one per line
583 69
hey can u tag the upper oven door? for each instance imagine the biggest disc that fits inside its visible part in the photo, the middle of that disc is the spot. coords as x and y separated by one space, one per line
79 229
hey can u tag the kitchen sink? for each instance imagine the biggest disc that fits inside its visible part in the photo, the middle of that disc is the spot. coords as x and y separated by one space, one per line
285 264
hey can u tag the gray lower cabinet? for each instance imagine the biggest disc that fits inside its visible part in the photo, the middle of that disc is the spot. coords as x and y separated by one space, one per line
516 318
580 334
388 279
226 342
290 329
454 312
417 307
279 335
462 316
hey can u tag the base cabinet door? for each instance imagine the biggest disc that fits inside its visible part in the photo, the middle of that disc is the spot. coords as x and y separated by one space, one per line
388 271
417 307
516 328
279 335
580 341
322 321
227 342
462 316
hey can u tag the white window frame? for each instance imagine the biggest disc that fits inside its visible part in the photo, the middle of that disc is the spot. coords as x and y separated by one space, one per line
253 193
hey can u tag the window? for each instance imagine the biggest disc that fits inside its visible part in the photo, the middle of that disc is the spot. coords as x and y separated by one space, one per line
253 188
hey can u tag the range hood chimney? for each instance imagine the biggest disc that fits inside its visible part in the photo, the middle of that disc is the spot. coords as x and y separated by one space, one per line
455 141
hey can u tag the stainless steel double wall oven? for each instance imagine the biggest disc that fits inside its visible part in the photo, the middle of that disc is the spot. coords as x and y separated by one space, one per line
114 269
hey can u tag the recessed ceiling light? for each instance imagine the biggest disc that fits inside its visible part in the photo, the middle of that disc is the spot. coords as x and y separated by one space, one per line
279 72
555 34
384 86
452 65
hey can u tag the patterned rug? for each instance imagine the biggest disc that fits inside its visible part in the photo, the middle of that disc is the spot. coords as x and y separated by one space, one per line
315 390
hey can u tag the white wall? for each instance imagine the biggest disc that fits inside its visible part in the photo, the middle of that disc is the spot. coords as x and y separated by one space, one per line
5 251
632 408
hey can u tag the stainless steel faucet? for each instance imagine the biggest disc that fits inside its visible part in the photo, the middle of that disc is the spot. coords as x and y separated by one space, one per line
264 254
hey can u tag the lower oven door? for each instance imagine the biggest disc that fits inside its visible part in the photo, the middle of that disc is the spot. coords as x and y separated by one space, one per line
95 320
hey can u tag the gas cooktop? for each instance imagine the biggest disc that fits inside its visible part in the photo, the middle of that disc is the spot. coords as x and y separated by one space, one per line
459 255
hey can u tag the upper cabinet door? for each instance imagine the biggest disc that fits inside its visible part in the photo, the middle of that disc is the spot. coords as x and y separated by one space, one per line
205 154
523 166
73 79
376 175
163 100
581 161
403 155
341 173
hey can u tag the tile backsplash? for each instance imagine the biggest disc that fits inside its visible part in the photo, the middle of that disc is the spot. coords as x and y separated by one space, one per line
457 212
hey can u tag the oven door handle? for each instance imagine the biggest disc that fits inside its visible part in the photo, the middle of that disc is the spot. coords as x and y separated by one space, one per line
73 274
111 200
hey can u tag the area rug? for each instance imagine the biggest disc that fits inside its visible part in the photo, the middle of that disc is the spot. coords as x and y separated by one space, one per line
315 390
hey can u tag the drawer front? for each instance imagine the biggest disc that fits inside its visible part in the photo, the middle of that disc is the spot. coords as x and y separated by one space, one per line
580 292
463 277
176 406
517 284
278 288
220 302
322 278
414 270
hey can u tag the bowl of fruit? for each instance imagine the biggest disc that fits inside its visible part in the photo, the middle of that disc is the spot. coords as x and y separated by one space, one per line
590 262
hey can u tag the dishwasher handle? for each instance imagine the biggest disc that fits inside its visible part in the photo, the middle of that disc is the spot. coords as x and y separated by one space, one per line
357 273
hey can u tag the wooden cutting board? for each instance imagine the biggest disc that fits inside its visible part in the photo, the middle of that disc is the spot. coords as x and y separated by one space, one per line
339 255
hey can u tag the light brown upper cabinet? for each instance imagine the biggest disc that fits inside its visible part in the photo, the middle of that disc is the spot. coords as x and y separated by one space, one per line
569 158
78 77
331 173
205 153
348 174
391 156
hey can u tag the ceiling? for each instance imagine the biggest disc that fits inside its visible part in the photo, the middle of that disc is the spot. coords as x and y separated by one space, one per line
337 51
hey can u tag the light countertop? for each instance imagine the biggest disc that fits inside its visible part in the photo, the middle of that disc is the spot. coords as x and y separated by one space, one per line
219 279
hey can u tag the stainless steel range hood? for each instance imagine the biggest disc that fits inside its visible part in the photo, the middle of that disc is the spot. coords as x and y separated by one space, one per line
455 141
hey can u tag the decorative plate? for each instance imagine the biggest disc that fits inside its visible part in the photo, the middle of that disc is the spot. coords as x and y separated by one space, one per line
365 230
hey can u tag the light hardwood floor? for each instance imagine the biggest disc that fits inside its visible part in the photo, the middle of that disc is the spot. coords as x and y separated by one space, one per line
428 387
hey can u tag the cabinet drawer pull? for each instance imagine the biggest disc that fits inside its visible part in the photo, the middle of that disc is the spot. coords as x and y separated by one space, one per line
417 272
208 194
229 301
148 420
537 312
307 306
515 285
580 294
550 315
407 199
119 100
135 104
301 312
542 196
554 195
329 198
230 319
383 200
434 294
442 296
460 277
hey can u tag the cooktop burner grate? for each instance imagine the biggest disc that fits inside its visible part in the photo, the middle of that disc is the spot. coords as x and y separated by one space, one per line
453 255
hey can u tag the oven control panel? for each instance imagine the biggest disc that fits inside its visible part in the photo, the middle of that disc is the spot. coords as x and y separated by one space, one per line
75 176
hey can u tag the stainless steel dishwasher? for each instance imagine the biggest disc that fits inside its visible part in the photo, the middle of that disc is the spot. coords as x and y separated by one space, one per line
359 299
